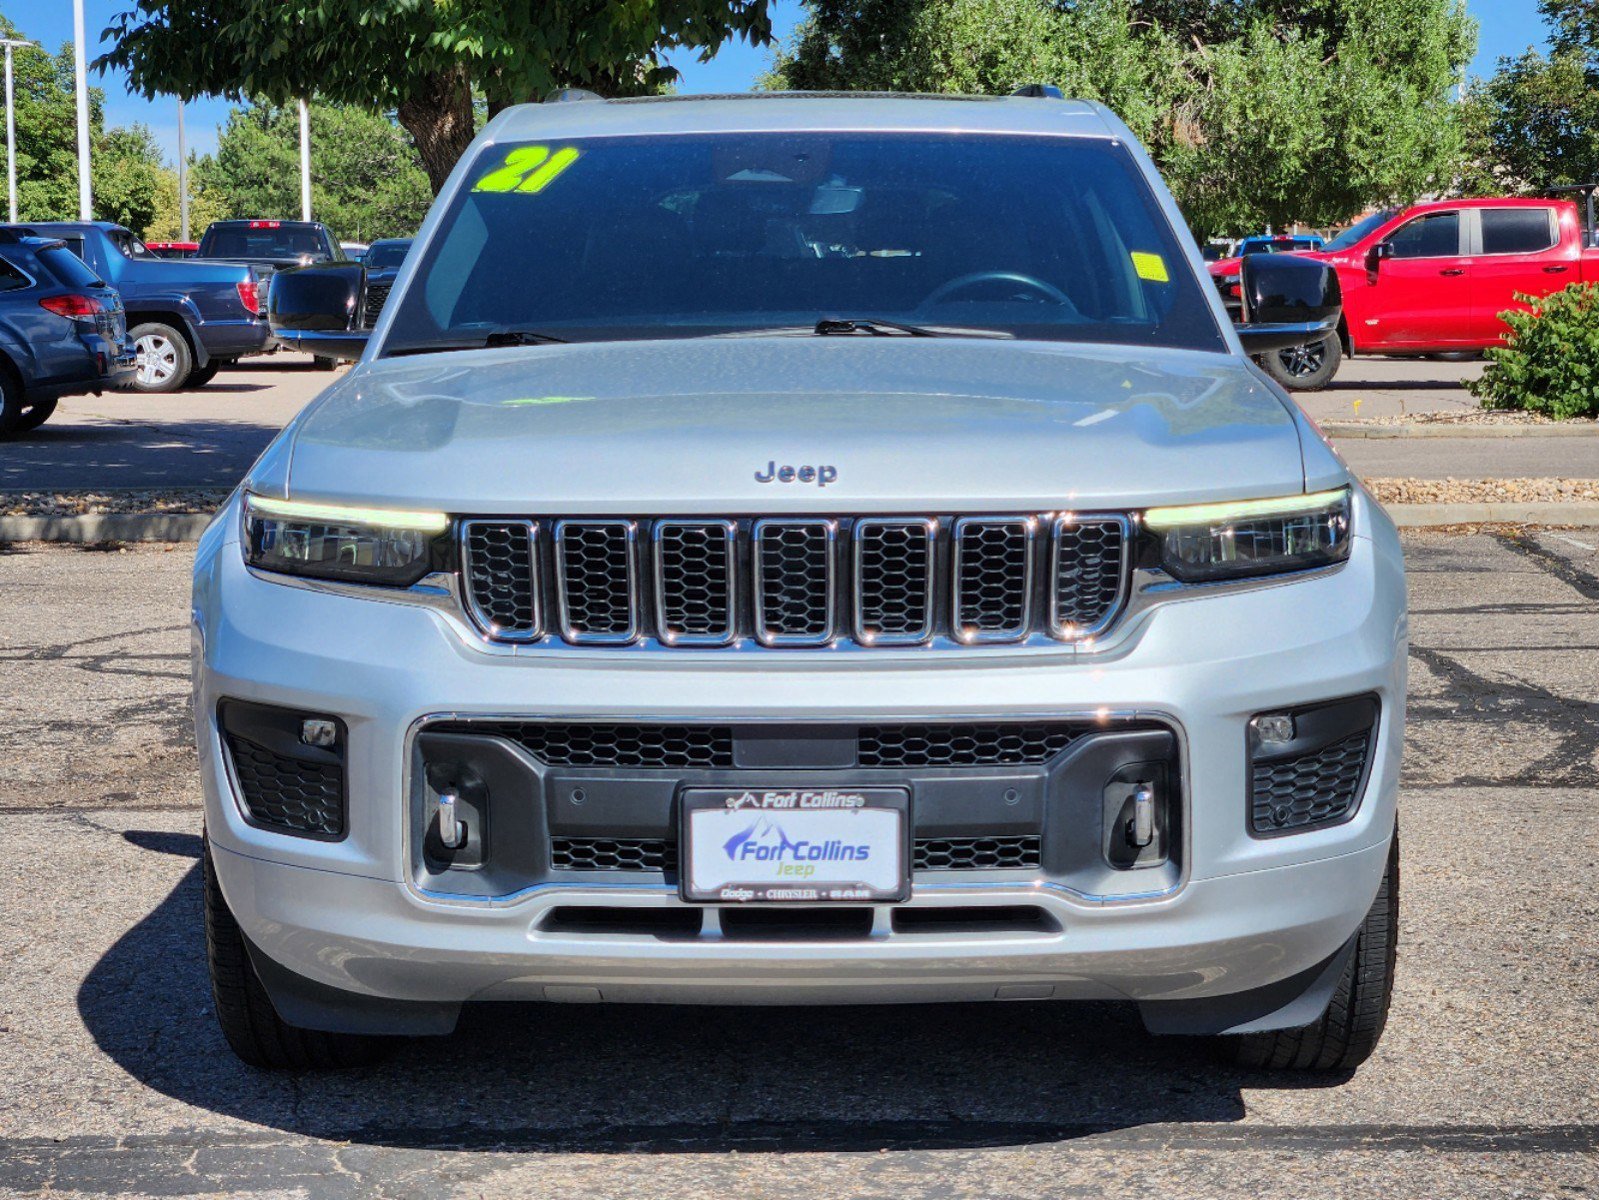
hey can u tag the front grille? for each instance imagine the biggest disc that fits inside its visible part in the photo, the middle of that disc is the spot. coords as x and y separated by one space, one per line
1312 789
612 854
377 295
796 582
286 793
996 745
977 853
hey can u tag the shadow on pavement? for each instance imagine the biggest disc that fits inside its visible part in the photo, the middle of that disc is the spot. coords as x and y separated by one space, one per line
676 1079
143 454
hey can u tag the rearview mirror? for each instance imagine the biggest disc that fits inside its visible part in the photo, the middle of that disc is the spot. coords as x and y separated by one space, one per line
318 309
1288 300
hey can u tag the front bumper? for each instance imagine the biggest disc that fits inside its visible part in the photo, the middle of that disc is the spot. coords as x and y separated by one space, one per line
1240 912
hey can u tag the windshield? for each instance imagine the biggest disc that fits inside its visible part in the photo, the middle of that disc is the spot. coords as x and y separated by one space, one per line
383 255
1358 231
279 242
682 236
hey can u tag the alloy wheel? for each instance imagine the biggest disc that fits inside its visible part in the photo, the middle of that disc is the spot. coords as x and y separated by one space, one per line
158 360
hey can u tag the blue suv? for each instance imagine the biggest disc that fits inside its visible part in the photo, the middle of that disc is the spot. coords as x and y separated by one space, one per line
62 331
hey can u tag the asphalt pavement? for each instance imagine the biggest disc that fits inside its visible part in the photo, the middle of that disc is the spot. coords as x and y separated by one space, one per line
210 436
115 1081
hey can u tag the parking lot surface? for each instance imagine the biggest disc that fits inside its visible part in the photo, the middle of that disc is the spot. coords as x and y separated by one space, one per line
114 1079
210 436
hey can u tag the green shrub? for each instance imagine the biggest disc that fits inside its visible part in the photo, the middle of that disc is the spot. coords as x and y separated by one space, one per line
1549 362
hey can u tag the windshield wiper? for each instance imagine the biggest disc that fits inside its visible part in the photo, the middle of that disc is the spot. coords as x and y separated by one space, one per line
874 326
500 337
864 327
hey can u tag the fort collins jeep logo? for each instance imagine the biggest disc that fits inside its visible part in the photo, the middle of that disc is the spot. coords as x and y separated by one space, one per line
820 476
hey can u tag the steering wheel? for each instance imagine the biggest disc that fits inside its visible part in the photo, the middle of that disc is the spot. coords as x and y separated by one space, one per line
965 282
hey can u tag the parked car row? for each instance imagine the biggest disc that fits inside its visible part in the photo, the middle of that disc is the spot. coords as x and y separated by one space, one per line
1434 278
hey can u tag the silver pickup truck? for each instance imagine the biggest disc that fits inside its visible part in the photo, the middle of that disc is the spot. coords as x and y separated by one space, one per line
801 550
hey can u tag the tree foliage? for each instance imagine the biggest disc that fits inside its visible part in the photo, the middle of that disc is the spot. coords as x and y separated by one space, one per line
1258 111
1535 123
366 181
421 59
126 162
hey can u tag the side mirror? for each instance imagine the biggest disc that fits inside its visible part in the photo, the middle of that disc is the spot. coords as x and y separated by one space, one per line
1381 251
319 309
1288 300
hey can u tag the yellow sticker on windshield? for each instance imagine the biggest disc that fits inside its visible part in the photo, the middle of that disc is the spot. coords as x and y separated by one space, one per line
1150 267
527 169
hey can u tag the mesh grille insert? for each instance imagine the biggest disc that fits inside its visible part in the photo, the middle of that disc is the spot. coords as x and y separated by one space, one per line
287 793
1009 744
993 574
582 744
893 581
377 295
612 854
595 568
794 582
1312 789
977 853
501 577
694 581
1089 569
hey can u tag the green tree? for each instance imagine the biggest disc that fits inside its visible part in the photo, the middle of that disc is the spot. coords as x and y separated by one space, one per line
421 59
125 161
366 181
204 207
1258 111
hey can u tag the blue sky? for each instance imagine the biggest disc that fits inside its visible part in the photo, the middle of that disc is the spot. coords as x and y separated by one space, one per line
1507 27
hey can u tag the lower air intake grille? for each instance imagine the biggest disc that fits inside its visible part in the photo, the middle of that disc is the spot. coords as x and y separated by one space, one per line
960 745
285 793
977 853
580 744
612 854
1313 789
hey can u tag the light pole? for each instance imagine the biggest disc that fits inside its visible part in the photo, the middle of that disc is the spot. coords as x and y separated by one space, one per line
85 198
305 160
11 127
183 181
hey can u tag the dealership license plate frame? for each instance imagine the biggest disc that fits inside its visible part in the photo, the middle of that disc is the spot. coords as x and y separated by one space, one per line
766 801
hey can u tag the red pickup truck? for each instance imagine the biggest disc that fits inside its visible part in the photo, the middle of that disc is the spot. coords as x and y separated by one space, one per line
1433 278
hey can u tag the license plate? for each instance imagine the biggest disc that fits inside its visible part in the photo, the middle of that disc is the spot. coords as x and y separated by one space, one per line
795 845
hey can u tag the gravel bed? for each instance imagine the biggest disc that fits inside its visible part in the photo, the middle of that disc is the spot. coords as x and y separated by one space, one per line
82 504
1483 491
1468 416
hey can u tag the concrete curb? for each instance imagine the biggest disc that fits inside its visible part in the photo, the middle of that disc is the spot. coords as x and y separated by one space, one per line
1440 429
106 527
1421 516
187 527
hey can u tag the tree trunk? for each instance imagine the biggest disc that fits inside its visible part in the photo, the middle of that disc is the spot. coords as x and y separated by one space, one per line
438 116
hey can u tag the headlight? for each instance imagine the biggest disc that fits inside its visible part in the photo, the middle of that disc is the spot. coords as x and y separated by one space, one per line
1203 542
354 545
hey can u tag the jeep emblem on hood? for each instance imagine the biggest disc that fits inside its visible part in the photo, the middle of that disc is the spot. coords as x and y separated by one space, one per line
820 476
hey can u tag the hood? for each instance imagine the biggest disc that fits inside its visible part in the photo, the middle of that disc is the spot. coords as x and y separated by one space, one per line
850 424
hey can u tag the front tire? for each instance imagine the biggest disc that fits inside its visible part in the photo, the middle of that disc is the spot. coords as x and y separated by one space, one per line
1305 368
252 1027
201 376
1349 1030
164 358
40 412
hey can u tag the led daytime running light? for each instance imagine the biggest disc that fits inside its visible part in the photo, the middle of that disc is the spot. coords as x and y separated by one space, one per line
1234 510
339 514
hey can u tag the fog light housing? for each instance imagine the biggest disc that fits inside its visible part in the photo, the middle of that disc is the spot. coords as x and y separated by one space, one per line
1273 729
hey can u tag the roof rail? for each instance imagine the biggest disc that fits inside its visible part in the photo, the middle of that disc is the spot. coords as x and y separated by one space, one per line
571 95
1040 91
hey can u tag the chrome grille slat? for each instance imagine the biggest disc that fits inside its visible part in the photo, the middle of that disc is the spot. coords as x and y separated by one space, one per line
500 578
895 560
1089 560
696 565
795 581
596 580
993 578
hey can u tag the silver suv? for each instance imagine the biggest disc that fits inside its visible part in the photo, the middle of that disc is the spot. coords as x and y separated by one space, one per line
801 550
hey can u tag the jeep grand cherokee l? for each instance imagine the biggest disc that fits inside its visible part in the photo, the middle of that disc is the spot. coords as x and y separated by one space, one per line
801 550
